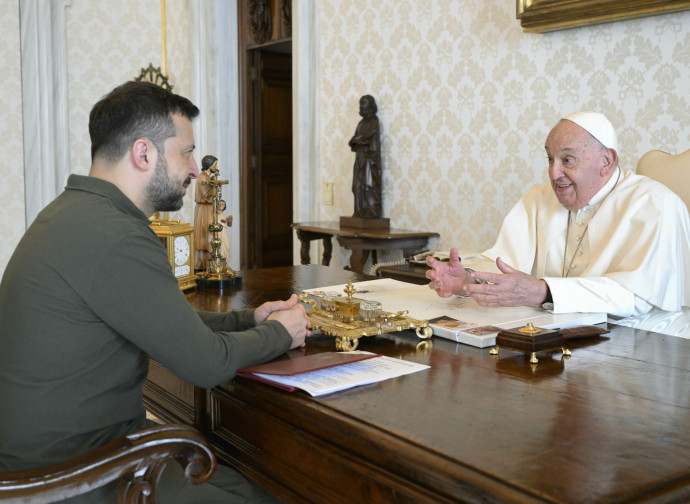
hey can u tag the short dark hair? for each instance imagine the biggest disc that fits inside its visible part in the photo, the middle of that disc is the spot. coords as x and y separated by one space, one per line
135 109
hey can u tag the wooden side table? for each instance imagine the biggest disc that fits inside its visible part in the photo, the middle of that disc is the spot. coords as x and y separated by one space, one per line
361 242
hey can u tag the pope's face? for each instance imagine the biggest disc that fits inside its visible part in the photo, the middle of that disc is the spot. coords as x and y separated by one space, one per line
175 168
579 165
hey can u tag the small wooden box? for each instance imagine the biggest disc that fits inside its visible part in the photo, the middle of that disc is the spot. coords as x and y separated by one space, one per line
530 340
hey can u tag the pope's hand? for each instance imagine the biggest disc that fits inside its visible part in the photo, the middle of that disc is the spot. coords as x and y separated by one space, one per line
447 278
508 288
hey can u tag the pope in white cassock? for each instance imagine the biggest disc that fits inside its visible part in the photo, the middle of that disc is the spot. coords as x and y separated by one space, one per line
595 238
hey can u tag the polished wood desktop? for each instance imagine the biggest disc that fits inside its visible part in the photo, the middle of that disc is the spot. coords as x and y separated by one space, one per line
610 424
361 241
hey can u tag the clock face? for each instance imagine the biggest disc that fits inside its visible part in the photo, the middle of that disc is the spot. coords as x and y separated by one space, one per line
181 245
176 238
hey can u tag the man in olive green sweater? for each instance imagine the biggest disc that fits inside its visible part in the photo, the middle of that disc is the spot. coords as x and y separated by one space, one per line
89 295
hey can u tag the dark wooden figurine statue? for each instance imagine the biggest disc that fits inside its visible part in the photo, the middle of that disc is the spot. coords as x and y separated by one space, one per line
366 177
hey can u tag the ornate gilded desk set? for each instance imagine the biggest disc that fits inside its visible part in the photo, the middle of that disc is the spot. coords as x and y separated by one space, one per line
348 318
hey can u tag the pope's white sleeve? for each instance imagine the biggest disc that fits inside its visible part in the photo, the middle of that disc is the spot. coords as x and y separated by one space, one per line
594 294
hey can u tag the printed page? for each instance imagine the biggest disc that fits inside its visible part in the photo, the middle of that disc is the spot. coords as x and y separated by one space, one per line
333 379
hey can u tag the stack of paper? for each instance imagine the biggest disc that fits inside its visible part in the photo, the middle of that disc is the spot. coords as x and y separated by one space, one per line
328 372
459 318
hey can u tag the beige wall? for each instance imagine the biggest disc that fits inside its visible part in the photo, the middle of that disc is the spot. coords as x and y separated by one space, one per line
11 161
108 42
466 100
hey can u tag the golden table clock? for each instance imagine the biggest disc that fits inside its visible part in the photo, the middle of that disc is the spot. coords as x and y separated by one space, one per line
178 239
348 318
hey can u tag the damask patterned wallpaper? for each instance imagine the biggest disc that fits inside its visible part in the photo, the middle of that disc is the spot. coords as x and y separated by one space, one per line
11 164
110 41
466 100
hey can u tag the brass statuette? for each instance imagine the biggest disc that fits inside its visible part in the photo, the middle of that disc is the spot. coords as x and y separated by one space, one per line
218 273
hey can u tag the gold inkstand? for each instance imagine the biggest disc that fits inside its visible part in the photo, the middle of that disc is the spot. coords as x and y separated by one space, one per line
348 318
348 306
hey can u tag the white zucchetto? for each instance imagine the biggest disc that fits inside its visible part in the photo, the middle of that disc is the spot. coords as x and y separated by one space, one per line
597 125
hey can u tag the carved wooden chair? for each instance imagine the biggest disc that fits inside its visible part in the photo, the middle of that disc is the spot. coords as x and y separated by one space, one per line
137 459
671 170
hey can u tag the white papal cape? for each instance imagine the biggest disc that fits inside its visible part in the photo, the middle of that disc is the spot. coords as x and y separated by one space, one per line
638 247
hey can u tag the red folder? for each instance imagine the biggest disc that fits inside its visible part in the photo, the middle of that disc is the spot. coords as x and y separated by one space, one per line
299 365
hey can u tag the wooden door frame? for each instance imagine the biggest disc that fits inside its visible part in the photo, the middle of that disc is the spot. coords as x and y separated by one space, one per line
246 178
305 118
250 122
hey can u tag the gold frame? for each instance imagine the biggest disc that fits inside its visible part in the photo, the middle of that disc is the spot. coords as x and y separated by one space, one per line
551 15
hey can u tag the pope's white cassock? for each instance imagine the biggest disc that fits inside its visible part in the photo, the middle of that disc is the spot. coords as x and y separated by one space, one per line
628 251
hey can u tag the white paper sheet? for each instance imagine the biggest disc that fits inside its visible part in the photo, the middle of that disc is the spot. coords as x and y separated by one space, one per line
353 374
423 303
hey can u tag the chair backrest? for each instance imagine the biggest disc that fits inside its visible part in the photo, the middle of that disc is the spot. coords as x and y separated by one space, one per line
137 459
671 170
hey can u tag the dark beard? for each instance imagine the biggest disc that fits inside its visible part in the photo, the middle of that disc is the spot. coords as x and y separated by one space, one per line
163 196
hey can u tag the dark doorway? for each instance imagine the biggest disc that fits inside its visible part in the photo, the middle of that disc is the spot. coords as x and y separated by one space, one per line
272 158
266 133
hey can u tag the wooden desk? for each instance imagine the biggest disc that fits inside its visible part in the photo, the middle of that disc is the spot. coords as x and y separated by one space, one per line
360 241
610 424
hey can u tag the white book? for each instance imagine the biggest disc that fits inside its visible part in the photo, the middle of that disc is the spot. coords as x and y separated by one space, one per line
475 325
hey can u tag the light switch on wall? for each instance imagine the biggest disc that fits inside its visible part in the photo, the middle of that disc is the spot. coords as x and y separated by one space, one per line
327 193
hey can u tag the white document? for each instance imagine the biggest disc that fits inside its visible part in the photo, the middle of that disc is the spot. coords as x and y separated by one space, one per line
344 376
423 303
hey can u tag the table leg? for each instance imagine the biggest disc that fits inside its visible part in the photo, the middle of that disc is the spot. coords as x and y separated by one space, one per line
327 250
305 237
358 258
304 249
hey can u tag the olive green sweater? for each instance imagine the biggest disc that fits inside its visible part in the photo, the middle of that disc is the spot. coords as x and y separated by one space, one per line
86 298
